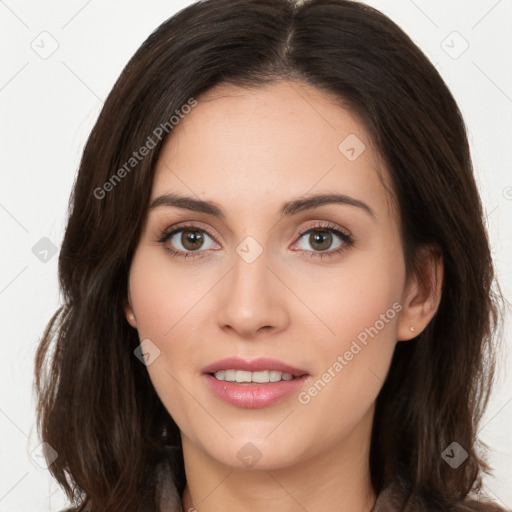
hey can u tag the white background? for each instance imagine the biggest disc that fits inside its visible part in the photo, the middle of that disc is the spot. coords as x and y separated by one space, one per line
49 106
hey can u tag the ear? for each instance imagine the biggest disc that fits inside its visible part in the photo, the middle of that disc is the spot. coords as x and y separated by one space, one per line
128 311
422 294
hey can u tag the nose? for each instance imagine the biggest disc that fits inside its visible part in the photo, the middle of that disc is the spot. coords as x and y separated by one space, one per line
253 301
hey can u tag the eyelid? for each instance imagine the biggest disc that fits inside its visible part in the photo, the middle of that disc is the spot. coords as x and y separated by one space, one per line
171 230
327 225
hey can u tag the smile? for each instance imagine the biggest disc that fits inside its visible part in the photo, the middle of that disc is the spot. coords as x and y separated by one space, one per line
253 384
261 377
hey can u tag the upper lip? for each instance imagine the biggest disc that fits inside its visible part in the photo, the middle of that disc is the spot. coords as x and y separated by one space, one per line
256 365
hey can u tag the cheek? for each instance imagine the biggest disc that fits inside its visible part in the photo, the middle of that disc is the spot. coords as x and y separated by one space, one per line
162 297
354 296
170 309
167 307
359 306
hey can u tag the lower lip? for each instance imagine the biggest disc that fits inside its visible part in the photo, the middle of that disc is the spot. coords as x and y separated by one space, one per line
254 396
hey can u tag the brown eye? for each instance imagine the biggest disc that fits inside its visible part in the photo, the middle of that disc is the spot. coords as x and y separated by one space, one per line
192 240
320 240
185 240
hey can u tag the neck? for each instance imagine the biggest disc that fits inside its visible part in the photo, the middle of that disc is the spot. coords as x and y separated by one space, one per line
335 480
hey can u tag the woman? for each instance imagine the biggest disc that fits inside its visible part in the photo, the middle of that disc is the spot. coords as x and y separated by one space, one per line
277 282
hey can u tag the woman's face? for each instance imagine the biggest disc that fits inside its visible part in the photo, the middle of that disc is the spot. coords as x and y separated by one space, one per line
250 266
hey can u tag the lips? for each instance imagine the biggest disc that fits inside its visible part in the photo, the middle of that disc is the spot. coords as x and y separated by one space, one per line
253 395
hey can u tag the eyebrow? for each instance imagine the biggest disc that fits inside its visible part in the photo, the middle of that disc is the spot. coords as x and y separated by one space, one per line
287 209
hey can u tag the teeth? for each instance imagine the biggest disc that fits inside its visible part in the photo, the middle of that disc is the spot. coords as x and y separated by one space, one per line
230 375
242 376
262 377
275 376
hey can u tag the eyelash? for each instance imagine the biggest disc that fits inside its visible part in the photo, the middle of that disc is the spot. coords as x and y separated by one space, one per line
346 239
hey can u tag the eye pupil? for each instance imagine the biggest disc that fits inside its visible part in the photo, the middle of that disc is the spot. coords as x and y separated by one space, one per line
192 240
323 238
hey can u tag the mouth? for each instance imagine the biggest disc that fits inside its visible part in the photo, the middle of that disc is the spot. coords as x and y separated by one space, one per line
253 384
261 377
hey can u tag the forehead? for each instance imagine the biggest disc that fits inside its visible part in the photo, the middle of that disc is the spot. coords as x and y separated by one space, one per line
253 147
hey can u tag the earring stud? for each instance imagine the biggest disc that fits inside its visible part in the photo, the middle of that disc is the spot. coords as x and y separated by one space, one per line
411 329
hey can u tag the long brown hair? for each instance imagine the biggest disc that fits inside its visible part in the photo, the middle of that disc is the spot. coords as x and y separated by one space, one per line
97 407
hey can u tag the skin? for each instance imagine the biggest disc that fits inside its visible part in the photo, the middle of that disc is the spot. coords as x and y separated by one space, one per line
249 151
